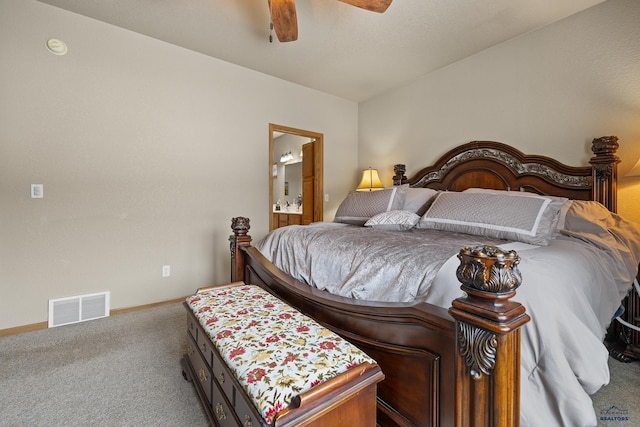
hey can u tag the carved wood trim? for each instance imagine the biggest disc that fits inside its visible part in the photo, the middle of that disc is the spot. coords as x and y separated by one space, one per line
239 238
605 171
488 334
513 170
478 349
519 165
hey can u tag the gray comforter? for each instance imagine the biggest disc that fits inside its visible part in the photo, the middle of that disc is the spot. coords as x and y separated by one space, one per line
571 289
361 262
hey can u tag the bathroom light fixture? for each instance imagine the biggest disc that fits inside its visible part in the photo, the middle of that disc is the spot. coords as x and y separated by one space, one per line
287 157
370 181
57 47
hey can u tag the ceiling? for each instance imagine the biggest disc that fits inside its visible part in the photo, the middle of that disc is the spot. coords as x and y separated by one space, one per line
342 50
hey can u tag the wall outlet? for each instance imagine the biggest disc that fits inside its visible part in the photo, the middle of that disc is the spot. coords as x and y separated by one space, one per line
166 270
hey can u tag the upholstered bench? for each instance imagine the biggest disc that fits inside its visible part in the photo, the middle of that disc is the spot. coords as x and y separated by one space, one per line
255 361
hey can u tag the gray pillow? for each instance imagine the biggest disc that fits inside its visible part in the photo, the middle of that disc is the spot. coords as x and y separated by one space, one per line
523 218
358 207
558 205
393 220
416 198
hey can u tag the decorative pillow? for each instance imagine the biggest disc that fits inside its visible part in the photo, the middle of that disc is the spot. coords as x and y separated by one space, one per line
358 207
556 201
523 218
393 220
417 198
558 205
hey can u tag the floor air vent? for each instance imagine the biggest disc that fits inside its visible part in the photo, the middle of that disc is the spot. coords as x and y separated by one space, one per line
63 311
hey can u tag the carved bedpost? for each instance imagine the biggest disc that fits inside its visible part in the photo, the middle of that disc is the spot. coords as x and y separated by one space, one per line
399 178
239 238
488 338
605 171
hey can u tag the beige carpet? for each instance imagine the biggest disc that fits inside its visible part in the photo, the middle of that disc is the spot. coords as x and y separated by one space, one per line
119 371
124 371
618 403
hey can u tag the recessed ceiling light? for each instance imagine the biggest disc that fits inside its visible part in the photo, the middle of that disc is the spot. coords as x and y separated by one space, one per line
57 47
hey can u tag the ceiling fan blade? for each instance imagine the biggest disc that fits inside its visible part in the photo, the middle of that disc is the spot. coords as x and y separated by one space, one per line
284 18
372 5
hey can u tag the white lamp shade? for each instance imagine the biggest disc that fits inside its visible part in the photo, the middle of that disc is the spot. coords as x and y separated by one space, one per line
635 170
370 181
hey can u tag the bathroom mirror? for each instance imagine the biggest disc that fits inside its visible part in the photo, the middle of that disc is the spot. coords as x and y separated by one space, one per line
287 168
292 183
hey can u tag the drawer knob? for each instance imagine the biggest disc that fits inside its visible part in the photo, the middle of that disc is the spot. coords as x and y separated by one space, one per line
220 412
204 348
221 377
247 421
202 375
189 349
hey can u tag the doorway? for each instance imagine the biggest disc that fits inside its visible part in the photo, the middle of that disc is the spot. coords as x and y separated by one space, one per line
299 154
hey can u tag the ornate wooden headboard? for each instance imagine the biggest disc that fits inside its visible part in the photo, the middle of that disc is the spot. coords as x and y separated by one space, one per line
488 164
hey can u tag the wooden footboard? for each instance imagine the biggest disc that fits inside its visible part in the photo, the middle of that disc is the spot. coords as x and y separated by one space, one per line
442 368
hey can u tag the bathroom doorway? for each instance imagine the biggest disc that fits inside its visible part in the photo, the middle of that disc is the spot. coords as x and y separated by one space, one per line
295 176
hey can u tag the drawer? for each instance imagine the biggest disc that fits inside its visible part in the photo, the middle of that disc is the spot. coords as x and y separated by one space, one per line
202 371
246 412
223 414
204 347
223 377
192 326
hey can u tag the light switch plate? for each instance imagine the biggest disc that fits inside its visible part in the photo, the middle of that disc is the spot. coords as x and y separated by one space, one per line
166 270
37 191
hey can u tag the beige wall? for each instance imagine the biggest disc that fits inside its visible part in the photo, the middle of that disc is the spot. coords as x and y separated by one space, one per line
146 151
549 92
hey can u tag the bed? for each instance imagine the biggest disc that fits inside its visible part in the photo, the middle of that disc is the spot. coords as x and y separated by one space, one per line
473 358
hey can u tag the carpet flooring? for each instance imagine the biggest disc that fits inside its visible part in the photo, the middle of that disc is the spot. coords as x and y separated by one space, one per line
618 403
124 370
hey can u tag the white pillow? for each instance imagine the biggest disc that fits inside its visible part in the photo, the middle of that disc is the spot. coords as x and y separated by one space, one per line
523 218
393 220
358 207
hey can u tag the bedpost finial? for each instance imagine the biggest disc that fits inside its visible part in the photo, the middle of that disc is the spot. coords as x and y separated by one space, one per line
605 145
240 225
488 268
399 177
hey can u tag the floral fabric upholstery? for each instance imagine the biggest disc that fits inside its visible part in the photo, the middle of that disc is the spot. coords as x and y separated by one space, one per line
274 351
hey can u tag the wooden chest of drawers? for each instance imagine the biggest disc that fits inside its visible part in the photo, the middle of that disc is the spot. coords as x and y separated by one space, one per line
282 219
347 399
223 403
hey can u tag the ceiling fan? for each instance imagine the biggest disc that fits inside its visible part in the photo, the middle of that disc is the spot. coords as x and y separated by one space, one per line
285 21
